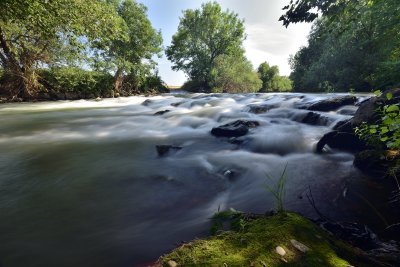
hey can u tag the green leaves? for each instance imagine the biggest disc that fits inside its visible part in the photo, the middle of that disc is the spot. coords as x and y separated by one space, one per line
354 45
386 133
203 35
391 108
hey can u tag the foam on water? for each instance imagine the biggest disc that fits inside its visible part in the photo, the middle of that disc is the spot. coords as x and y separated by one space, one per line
82 179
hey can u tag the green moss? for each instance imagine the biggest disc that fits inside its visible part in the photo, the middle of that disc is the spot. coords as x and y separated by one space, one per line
255 246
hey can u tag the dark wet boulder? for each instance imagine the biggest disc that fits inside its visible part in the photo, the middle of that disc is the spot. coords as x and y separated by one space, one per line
161 112
163 150
176 104
350 111
234 129
343 126
313 118
258 109
333 103
341 140
368 110
376 162
147 102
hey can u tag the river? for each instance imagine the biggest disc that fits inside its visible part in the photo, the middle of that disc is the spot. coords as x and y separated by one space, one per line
81 183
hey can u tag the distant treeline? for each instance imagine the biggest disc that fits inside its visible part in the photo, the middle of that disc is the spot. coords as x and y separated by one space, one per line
354 46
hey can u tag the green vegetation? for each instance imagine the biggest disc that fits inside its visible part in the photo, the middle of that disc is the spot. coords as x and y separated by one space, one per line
40 36
271 80
256 242
278 189
233 75
207 40
385 133
356 44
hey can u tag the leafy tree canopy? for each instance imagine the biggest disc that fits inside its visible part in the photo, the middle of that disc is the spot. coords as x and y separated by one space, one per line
271 80
309 10
34 33
234 75
131 55
203 35
356 48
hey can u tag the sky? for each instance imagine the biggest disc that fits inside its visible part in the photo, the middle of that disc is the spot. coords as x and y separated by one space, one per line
267 40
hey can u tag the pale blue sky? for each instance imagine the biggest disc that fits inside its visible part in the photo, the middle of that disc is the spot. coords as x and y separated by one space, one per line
267 40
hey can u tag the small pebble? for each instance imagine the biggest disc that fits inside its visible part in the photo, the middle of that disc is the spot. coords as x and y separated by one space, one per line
303 248
172 263
280 251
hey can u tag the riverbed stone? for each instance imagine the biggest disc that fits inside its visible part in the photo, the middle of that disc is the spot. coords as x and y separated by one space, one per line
342 141
314 118
163 150
161 112
258 109
234 129
333 103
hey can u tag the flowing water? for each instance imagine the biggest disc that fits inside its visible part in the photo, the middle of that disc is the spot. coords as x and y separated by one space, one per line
81 183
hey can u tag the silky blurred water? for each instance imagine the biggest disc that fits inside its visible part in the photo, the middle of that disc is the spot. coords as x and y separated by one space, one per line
81 183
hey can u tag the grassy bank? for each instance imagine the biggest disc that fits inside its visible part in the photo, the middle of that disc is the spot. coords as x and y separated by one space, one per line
256 242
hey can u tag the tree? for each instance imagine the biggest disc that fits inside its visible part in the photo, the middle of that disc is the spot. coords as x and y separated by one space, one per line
133 55
309 10
271 80
345 53
34 32
203 35
234 75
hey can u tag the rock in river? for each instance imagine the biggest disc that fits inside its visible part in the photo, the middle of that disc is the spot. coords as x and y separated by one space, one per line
162 150
333 103
341 140
234 129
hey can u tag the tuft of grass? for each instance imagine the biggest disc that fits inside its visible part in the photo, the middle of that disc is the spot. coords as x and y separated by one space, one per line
255 246
278 190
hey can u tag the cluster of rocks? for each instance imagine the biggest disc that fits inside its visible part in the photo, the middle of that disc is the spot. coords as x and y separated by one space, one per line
343 136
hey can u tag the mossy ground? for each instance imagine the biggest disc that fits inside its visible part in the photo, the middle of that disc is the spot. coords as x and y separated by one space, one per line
255 245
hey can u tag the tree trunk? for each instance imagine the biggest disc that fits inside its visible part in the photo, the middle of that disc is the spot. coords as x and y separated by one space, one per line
118 80
23 78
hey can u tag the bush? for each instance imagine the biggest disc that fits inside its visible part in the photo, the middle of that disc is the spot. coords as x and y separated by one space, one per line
234 75
271 80
195 86
385 133
77 81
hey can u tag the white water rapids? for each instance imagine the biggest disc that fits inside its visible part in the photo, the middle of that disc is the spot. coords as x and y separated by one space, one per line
81 183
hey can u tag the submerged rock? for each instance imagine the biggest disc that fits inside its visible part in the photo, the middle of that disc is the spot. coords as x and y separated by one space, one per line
333 103
258 109
162 150
161 112
147 102
234 129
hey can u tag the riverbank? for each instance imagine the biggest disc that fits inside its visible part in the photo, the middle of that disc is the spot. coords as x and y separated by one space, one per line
285 239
